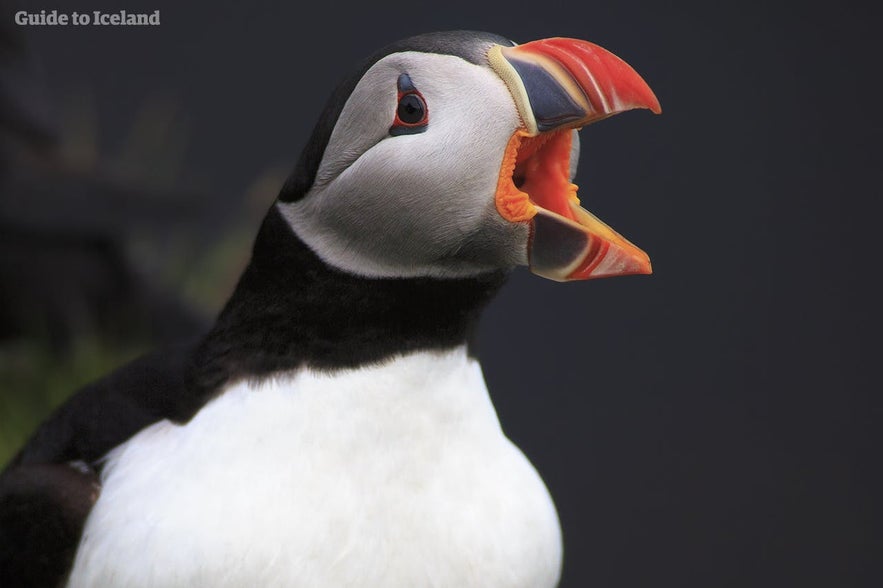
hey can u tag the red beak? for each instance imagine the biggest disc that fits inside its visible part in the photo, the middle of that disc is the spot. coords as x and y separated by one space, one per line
560 84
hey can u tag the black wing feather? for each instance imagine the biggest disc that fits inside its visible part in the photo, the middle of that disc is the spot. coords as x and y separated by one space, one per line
48 489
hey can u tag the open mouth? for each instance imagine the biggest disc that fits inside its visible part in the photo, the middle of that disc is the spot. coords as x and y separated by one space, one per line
536 173
559 85
567 242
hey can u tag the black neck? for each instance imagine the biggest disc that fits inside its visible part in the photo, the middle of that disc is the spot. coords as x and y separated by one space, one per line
291 309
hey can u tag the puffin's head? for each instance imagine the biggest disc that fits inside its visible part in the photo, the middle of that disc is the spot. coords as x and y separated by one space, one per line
452 154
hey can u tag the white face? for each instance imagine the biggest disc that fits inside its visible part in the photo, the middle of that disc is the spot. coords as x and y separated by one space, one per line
415 204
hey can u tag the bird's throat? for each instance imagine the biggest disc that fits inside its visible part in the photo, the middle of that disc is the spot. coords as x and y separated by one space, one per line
291 309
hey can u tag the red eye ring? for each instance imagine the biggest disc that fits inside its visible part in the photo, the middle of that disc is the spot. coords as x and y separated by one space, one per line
411 110
412 113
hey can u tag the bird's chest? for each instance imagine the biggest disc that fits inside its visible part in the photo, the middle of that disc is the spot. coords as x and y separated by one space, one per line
396 475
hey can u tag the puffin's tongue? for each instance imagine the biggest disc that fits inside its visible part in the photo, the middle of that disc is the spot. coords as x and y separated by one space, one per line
543 166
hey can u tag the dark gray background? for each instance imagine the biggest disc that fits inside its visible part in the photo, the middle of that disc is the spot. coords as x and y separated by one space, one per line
709 425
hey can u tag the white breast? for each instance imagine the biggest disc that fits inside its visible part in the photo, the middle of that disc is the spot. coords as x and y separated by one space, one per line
395 475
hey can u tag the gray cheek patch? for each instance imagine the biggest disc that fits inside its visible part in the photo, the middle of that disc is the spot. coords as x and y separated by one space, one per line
419 204
363 123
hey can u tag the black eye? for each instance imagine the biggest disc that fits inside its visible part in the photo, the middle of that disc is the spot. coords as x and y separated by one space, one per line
412 115
411 109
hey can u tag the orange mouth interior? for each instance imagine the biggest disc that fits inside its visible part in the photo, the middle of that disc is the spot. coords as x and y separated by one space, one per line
536 173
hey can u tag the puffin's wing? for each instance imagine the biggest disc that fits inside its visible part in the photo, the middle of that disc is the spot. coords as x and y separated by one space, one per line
42 511
48 489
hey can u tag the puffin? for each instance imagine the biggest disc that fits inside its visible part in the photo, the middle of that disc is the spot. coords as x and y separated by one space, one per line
333 427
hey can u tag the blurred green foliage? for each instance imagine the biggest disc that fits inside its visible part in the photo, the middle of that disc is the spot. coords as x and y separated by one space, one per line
36 374
36 378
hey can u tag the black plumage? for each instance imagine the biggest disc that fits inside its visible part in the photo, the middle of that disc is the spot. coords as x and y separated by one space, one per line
291 309
288 310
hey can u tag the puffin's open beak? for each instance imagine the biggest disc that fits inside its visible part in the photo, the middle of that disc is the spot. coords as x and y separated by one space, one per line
562 84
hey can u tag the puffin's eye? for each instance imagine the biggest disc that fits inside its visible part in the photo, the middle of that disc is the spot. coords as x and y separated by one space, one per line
411 109
412 114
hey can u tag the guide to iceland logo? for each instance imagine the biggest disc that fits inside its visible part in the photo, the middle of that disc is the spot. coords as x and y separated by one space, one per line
86 18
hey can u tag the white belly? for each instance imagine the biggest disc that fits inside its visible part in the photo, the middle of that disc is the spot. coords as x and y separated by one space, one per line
390 476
